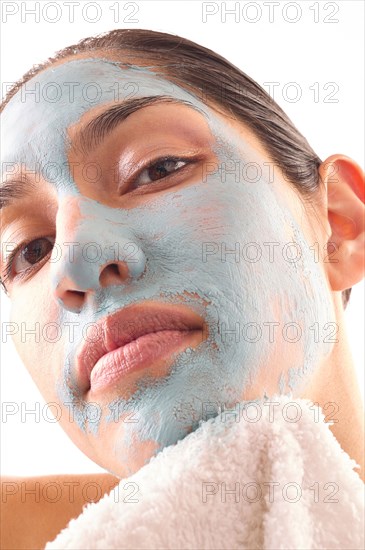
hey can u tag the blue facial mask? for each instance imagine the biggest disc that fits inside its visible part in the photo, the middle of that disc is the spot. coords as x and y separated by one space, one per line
227 246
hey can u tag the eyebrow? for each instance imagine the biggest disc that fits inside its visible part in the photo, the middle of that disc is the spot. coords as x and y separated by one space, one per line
15 189
91 135
98 128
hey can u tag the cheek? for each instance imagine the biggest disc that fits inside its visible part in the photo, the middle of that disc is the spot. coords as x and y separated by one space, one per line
34 315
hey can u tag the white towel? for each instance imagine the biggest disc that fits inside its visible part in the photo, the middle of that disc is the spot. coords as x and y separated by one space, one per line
281 481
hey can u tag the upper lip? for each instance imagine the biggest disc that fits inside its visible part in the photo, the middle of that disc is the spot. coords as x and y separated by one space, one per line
126 325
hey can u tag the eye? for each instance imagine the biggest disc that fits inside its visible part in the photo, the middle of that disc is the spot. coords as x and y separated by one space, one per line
27 255
160 169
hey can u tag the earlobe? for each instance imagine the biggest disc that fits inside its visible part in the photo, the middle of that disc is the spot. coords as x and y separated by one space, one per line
344 181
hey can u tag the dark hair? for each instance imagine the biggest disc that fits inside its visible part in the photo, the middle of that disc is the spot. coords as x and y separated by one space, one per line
216 80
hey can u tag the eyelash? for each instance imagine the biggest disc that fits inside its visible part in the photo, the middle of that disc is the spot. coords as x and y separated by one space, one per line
11 258
150 164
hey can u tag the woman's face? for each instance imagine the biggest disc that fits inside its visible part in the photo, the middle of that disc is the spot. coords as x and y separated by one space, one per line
168 271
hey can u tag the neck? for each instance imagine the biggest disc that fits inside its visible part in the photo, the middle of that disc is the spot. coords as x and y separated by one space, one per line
335 382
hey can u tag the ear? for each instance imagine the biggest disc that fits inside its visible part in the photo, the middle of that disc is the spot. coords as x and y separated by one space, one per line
344 181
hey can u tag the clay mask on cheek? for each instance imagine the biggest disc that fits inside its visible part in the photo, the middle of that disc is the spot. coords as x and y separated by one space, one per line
216 246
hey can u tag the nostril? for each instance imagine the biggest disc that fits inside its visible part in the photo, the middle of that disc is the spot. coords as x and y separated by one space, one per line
113 268
113 274
73 300
69 295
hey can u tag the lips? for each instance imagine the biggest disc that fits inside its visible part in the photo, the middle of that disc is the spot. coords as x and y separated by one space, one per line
131 339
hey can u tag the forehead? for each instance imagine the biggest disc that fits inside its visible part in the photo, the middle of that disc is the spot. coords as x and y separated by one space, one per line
36 122
36 119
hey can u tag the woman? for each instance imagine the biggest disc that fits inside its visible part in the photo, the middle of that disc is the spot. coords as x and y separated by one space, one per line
181 245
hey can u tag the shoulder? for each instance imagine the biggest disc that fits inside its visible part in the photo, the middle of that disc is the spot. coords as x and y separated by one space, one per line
35 509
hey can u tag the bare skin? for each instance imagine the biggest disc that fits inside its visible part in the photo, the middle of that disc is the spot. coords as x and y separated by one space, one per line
42 519
335 381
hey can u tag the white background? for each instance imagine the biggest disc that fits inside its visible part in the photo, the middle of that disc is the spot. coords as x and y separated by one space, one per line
308 51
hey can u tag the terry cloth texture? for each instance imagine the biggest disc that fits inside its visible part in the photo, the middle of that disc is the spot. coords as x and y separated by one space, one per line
264 477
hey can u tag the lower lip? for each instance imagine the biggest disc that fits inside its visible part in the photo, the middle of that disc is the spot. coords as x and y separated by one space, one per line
144 352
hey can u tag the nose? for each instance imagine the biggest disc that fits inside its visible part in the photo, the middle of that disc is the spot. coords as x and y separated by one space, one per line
94 252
